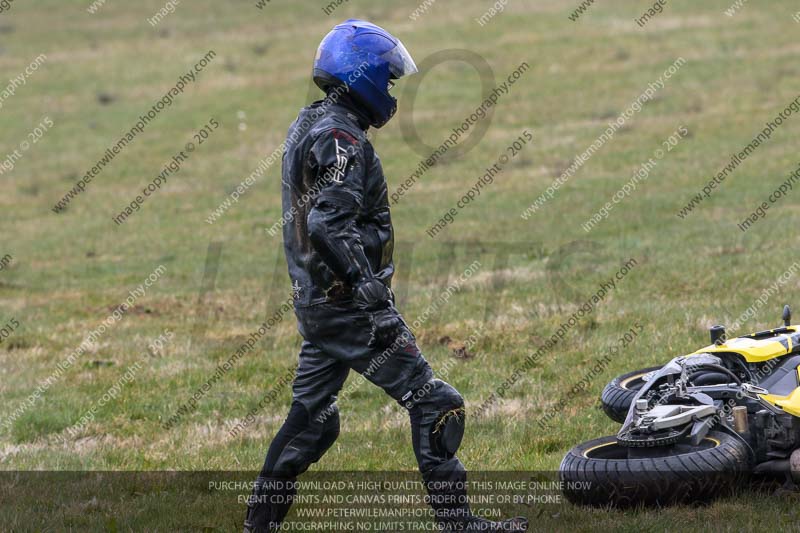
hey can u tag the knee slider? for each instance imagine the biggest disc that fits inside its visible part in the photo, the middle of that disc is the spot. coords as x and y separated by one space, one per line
448 428
448 431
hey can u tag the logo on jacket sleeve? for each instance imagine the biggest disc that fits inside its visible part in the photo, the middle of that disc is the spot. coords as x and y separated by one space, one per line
296 289
341 163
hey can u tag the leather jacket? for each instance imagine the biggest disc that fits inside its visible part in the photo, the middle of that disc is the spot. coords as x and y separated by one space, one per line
338 230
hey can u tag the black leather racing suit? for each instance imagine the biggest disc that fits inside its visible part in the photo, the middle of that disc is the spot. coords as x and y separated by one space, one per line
338 232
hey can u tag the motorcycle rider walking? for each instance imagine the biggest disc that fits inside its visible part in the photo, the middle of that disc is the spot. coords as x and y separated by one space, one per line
339 241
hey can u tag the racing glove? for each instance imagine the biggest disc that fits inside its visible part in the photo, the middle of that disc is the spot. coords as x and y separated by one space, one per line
375 298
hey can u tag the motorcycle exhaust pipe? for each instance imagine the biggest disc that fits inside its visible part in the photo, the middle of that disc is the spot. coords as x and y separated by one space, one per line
776 466
794 466
789 466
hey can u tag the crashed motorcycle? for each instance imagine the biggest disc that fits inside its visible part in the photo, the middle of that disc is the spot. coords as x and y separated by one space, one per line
698 427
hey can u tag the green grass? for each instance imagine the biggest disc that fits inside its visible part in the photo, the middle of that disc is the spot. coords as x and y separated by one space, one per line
71 270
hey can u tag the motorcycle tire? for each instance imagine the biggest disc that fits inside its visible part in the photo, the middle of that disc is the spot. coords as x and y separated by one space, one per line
619 394
602 473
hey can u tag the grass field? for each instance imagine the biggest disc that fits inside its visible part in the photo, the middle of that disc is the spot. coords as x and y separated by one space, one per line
211 285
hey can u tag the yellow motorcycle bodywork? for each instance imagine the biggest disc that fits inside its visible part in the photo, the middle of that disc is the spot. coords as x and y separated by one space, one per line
762 347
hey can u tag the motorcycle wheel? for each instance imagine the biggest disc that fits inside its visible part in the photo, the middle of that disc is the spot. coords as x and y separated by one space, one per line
619 394
601 473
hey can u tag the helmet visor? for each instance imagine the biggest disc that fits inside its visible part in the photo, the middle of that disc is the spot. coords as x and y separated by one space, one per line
400 62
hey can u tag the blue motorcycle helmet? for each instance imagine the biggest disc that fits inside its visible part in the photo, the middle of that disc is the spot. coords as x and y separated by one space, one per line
363 59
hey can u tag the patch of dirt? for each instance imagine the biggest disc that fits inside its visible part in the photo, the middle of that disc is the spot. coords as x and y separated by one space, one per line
139 310
104 98
503 408
460 351
457 349
727 250
18 344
